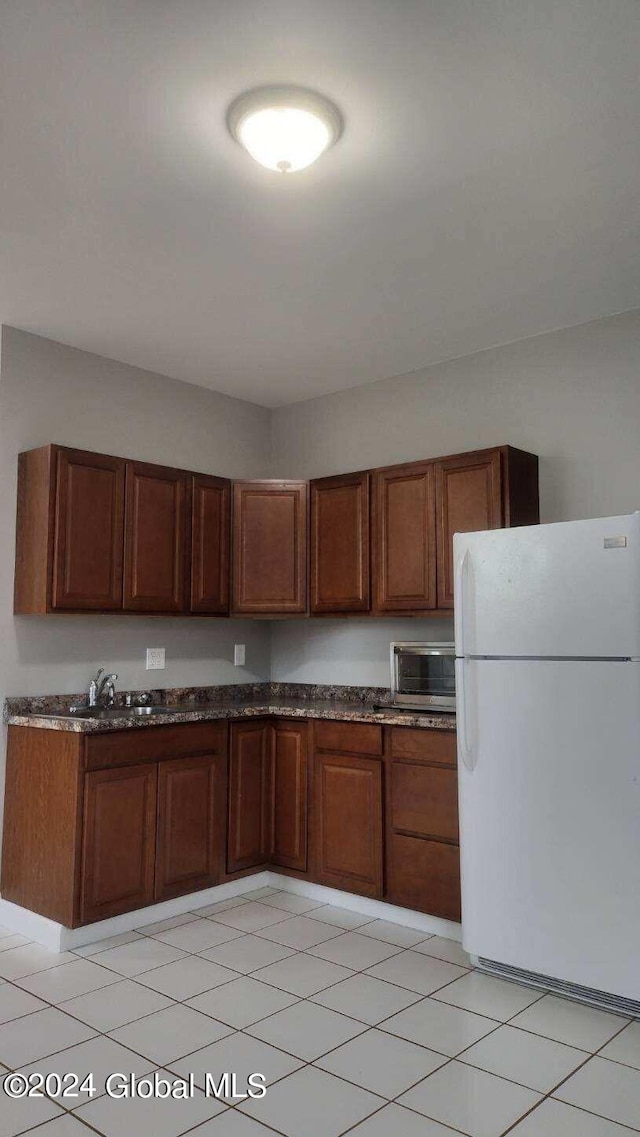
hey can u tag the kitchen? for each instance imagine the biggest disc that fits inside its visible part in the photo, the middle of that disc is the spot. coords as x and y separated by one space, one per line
571 397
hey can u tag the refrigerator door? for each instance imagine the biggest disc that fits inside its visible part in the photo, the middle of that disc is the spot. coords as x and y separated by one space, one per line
549 776
570 589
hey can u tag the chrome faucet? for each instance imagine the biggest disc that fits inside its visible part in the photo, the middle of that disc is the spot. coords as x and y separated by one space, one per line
102 692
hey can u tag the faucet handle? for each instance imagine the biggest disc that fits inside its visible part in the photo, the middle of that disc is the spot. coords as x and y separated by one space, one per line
97 675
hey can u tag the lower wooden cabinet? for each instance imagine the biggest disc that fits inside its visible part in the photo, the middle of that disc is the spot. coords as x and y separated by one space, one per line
268 794
249 786
347 822
100 824
424 875
151 832
192 798
119 841
422 854
289 795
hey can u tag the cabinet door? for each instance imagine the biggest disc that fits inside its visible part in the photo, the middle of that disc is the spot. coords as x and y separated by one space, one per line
157 519
249 783
269 547
404 538
89 531
191 824
469 498
289 795
119 841
210 521
340 544
347 818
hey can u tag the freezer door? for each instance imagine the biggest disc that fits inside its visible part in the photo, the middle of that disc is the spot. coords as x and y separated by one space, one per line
571 589
549 776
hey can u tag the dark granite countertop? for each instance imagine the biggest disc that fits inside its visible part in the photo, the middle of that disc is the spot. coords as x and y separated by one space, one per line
209 704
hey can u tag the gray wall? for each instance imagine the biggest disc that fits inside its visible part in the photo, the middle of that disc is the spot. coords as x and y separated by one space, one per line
572 396
53 393
353 650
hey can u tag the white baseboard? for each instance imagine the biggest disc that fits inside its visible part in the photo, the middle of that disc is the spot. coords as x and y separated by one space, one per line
377 909
31 925
58 938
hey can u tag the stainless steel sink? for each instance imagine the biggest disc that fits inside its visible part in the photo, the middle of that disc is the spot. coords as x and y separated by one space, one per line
117 712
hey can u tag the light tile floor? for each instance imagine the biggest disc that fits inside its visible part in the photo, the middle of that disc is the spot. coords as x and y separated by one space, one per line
359 1026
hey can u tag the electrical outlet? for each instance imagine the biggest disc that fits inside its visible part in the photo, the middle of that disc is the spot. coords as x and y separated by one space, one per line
155 659
239 655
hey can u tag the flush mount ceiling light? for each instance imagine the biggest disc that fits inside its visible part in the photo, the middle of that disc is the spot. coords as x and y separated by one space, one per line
284 128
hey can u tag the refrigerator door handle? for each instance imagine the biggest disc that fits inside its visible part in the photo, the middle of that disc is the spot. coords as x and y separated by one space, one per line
466 717
459 582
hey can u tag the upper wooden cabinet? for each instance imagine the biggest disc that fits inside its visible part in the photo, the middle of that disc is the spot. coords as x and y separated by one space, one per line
339 543
69 531
269 547
418 507
157 523
482 490
404 538
210 531
98 533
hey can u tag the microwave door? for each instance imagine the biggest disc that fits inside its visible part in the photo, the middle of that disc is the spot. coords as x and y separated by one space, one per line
424 677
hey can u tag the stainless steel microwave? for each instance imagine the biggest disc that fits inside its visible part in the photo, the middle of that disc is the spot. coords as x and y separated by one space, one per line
423 676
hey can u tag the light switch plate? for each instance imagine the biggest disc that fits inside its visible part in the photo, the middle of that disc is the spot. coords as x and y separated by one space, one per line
239 655
155 659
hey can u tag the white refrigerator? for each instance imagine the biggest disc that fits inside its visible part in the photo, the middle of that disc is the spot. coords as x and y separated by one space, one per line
547 630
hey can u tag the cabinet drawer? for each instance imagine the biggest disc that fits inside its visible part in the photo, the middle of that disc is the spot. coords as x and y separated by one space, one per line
431 745
349 737
425 875
119 748
424 800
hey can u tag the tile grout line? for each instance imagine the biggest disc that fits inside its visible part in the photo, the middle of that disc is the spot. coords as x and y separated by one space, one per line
368 1026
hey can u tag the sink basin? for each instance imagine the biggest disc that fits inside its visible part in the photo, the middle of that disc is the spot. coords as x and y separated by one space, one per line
118 712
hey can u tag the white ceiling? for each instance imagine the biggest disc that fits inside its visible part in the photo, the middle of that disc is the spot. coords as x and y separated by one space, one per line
486 187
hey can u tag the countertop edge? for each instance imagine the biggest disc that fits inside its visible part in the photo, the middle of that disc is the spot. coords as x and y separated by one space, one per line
303 710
